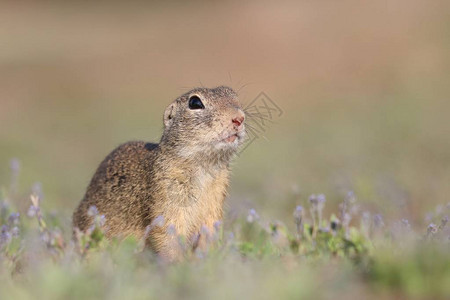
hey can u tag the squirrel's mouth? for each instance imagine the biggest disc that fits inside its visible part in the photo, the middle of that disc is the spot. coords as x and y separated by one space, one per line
234 138
231 138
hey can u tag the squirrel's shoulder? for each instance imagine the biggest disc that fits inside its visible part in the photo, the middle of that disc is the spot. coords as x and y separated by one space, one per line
133 146
132 151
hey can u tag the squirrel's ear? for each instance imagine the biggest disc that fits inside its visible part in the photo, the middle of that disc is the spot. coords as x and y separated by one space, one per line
169 114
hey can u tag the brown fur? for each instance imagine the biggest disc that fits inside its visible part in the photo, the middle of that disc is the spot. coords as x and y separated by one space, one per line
184 178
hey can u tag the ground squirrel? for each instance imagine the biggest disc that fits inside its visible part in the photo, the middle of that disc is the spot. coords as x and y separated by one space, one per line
184 178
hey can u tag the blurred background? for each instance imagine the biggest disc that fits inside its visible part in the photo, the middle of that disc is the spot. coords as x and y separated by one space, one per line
364 88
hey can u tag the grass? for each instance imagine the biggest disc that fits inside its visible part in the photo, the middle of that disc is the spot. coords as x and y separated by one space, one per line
350 253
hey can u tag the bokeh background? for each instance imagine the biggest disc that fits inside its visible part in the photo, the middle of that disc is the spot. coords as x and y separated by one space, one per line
364 87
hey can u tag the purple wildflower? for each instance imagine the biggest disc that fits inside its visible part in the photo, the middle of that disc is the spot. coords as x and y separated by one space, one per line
13 218
313 200
171 230
101 220
347 208
321 199
298 219
444 222
5 235
298 214
158 221
365 223
32 211
15 231
252 216
92 211
432 229
317 205
406 224
204 231
346 220
217 225
324 229
378 221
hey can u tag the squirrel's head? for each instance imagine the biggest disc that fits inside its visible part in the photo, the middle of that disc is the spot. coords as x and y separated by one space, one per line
204 121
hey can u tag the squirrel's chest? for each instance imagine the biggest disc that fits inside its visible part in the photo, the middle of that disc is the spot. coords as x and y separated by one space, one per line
197 200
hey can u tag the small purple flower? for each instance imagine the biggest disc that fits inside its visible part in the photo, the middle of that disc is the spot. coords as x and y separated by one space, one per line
15 231
366 222
350 195
101 220
158 221
324 229
444 222
346 220
321 198
217 225
347 206
204 231
298 220
378 221
45 237
5 235
252 216
92 211
13 218
171 230
313 200
32 211
366 215
321 202
298 214
432 229
406 224
314 205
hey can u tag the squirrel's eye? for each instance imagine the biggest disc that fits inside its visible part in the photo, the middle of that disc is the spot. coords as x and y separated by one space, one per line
195 103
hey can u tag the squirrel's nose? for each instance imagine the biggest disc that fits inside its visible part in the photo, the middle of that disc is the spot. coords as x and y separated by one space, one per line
239 119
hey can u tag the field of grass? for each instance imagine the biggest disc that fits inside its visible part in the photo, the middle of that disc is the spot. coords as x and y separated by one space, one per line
351 253
363 95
